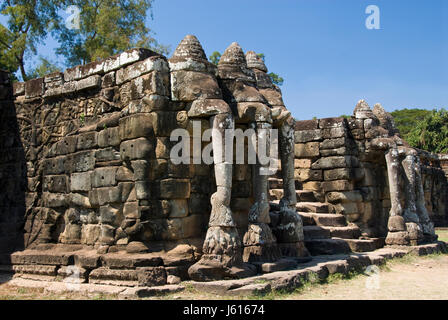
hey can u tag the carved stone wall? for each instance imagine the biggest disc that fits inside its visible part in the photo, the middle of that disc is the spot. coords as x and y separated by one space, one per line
13 173
92 149
335 158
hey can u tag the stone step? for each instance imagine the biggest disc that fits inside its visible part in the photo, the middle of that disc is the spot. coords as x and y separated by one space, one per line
325 220
305 195
275 183
307 219
358 245
302 195
316 232
347 232
318 247
316 207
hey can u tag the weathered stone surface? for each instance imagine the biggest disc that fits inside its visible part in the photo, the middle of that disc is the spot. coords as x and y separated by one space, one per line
136 126
32 257
34 88
304 136
80 181
104 177
109 137
140 148
335 162
191 85
306 150
151 276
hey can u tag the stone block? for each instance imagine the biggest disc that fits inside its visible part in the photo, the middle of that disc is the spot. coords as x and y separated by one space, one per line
192 85
80 161
79 200
104 177
88 83
334 143
124 174
54 166
344 196
338 174
56 183
304 136
111 215
332 123
306 150
140 68
109 137
34 88
141 148
105 195
108 154
54 200
332 133
312 185
154 83
337 185
307 174
65 146
136 126
164 122
87 140
90 234
335 162
151 276
306 125
302 163
183 228
80 181
335 152
174 188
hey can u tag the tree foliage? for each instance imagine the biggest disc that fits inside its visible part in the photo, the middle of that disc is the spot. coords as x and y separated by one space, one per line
106 28
28 23
214 57
276 79
43 68
431 133
407 119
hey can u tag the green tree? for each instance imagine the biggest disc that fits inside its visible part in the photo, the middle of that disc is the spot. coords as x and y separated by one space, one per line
106 27
43 68
407 119
214 58
276 79
28 23
431 133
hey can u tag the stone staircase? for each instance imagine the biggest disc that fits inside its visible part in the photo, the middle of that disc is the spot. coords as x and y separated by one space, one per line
325 231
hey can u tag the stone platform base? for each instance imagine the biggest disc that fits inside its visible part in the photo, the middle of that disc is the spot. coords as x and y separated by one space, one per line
146 279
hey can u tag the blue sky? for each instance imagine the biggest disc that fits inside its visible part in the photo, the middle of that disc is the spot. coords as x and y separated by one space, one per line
322 49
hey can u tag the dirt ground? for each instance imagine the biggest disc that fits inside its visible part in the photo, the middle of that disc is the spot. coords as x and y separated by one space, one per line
411 277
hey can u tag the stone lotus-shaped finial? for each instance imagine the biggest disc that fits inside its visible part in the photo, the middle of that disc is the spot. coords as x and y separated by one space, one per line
362 110
234 56
189 47
385 118
362 105
189 55
255 62
233 65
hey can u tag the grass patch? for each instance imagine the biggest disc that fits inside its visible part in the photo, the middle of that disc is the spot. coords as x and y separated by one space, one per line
443 234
